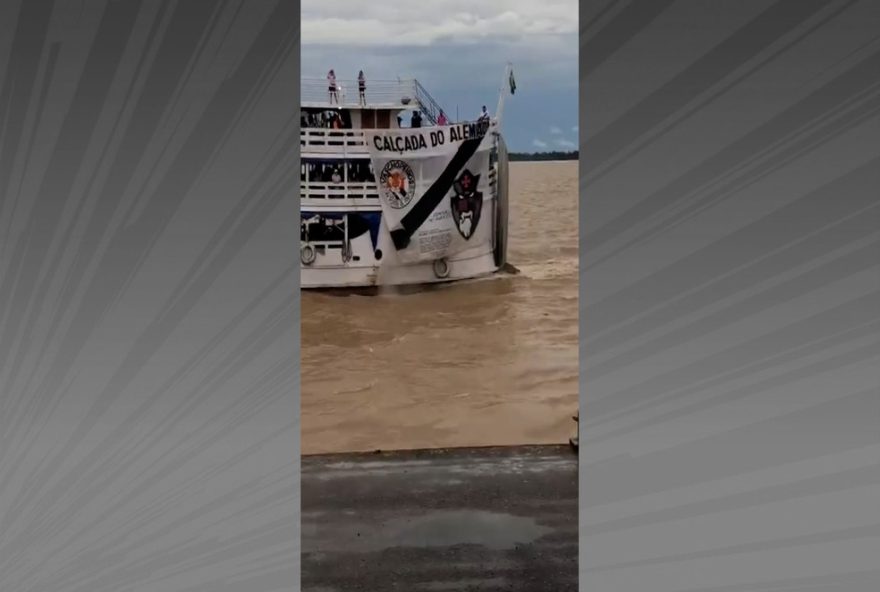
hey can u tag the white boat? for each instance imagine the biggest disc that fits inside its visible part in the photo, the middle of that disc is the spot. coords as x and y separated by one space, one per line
384 203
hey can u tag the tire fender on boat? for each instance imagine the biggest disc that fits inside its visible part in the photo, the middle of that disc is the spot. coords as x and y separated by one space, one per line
307 254
441 268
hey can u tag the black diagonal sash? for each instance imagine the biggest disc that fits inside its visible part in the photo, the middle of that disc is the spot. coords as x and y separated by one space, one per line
434 195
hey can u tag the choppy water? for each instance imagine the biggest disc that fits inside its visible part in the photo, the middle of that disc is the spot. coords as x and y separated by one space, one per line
486 362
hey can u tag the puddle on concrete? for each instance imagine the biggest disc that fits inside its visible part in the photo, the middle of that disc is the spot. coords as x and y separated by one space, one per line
463 584
444 528
461 527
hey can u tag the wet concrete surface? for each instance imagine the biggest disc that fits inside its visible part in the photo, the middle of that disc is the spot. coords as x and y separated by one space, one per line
486 519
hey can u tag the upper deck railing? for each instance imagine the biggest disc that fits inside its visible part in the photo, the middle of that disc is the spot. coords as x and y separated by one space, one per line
402 93
387 94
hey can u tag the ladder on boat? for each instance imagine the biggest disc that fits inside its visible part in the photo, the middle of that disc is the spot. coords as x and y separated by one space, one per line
430 107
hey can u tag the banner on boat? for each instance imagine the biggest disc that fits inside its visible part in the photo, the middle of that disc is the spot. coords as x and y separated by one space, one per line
433 184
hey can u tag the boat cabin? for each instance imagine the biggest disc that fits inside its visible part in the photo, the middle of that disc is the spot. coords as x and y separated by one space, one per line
335 163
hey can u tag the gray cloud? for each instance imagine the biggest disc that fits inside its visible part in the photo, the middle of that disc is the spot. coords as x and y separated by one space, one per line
353 22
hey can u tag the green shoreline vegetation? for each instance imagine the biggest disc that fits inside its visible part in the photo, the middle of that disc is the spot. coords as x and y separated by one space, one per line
536 156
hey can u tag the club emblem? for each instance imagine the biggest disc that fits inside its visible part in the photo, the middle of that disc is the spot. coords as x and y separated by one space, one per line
467 203
398 184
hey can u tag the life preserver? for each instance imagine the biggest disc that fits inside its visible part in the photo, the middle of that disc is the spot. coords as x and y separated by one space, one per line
441 268
307 254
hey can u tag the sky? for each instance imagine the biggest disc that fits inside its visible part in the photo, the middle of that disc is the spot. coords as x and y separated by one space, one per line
458 50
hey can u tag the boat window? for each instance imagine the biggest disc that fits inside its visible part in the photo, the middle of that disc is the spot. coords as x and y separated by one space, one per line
352 171
360 171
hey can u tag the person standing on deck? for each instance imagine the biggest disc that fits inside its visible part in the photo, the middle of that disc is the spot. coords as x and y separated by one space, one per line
331 86
441 119
362 88
484 115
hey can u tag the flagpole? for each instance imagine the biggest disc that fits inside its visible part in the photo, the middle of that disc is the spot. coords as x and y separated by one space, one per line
502 92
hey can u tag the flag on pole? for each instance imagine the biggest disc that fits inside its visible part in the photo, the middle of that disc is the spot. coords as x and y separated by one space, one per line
512 83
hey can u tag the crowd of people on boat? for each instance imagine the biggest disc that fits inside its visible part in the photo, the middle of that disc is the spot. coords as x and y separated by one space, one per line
331 171
335 120
323 119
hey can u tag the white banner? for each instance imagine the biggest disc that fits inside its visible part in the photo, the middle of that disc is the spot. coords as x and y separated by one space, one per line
434 187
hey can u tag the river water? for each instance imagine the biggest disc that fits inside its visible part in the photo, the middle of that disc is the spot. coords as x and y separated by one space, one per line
478 363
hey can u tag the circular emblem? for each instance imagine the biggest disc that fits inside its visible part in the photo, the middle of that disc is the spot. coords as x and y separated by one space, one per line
398 184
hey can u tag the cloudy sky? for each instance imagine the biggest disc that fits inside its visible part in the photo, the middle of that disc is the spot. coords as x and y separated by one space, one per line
458 49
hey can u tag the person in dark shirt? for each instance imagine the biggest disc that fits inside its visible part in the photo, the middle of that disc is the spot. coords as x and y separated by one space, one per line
362 88
416 120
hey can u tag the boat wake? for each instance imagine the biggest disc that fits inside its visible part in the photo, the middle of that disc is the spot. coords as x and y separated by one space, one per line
550 269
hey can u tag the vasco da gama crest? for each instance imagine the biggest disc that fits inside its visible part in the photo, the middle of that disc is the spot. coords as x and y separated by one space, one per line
467 203
398 184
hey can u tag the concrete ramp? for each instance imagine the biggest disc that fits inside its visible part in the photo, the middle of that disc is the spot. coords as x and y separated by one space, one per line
487 519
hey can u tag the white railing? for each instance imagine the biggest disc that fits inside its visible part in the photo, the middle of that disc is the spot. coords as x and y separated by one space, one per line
355 193
332 141
378 92
336 191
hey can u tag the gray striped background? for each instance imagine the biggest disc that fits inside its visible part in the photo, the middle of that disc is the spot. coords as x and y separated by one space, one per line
148 296
149 343
730 273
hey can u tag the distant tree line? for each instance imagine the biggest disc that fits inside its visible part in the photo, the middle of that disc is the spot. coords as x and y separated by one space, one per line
543 155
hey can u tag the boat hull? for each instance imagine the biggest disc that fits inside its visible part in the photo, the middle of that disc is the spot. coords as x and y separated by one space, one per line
458 268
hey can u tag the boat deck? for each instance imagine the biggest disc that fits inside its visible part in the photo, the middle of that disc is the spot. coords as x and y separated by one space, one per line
490 519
